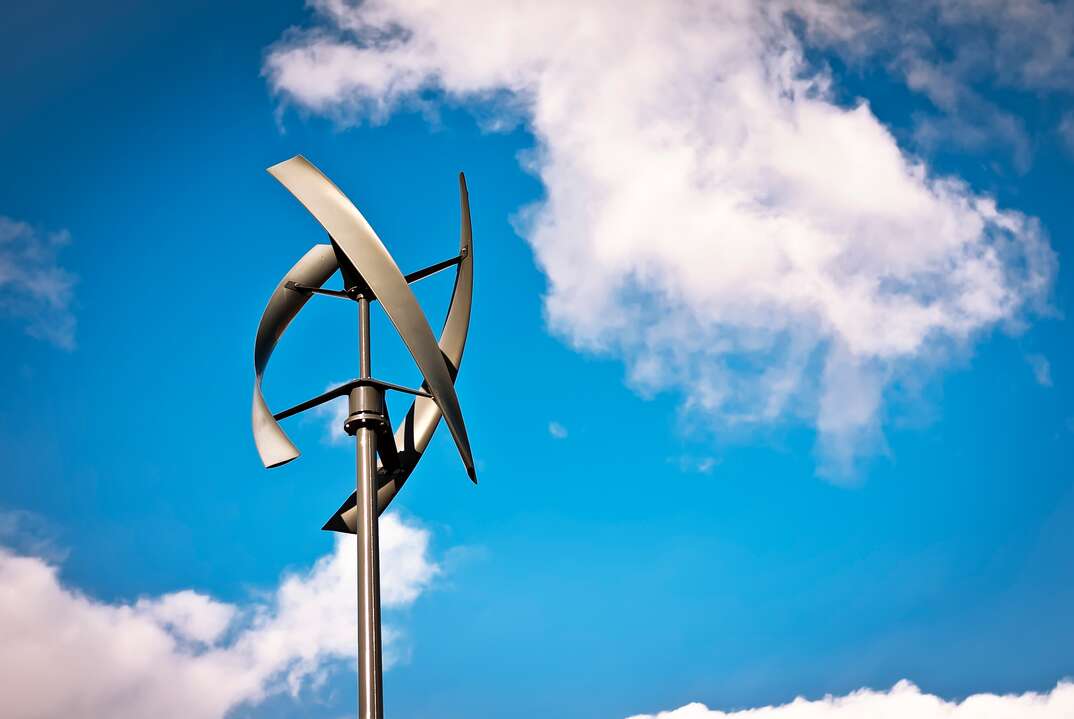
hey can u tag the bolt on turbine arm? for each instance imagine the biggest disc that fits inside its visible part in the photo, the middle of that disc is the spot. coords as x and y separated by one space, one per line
314 269
361 253
417 429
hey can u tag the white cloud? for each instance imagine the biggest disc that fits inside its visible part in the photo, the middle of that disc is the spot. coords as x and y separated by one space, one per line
1042 369
185 654
34 289
189 615
956 52
712 215
1028 44
557 430
904 700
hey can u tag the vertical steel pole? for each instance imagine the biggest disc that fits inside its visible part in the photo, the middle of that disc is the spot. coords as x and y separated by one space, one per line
366 404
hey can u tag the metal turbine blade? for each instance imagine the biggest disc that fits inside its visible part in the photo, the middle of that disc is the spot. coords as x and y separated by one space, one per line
367 256
314 269
414 434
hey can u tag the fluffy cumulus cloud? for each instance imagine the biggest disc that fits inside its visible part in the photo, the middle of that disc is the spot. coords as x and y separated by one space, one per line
185 654
34 289
903 701
712 214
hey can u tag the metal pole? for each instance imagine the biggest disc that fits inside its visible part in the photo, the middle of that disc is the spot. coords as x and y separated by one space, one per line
366 408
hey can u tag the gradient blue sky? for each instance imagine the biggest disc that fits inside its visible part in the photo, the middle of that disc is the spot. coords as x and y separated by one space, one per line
635 564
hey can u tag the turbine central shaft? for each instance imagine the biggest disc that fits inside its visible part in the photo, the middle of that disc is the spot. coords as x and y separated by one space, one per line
366 413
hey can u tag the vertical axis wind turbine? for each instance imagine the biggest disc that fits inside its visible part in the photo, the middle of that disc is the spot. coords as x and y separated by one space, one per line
385 457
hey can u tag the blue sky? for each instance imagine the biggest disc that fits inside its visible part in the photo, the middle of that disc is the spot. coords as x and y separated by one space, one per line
705 477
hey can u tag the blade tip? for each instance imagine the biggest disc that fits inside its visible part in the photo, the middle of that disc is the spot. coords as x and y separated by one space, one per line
335 524
275 170
273 455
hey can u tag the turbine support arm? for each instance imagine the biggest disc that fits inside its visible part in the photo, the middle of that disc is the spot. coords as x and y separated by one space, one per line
352 294
343 390
311 290
433 269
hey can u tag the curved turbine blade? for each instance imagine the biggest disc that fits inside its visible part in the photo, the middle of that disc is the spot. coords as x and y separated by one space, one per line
368 256
414 434
314 269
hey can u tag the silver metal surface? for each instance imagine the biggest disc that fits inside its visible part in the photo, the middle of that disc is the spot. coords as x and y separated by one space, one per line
370 260
366 405
315 267
370 688
417 429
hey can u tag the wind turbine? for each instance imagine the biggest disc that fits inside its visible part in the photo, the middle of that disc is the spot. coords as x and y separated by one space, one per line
385 456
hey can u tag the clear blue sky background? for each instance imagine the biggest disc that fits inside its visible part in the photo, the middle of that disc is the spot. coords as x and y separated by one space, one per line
601 578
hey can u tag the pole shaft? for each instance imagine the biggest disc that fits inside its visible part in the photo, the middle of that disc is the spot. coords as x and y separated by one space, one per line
370 691
364 365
